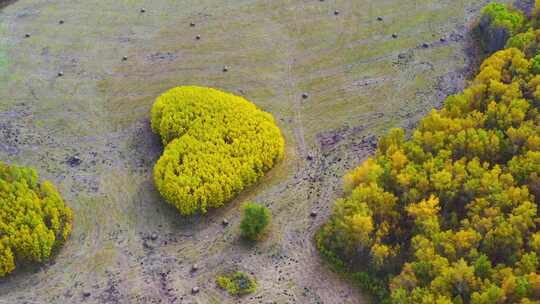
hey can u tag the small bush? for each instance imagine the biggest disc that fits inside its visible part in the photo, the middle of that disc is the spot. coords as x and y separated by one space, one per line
217 144
237 283
256 219
535 13
34 220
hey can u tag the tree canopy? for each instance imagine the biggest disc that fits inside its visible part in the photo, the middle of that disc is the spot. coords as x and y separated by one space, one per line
216 145
34 220
450 214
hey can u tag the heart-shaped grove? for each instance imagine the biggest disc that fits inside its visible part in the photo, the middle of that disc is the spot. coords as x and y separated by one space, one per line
216 145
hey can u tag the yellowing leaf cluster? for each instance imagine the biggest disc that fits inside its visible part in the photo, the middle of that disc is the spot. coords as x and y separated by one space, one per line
216 145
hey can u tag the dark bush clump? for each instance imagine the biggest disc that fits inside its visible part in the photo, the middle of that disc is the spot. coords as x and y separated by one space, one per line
256 219
497 24
450 215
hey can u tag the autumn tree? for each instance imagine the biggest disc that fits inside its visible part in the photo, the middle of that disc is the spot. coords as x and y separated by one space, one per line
34 220
216 145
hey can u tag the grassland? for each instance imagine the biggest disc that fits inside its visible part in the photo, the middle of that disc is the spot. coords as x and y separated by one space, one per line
360 82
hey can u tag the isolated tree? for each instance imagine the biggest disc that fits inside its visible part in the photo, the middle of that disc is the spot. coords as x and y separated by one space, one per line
254 221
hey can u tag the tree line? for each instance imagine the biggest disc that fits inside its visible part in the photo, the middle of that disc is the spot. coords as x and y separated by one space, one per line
449 214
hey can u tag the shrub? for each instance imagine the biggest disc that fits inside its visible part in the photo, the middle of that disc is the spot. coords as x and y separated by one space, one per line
34 220
216 145
450 215
237 283
256 219
497 24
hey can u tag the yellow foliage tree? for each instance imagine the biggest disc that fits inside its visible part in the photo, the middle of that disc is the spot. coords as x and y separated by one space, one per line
216 145
33 218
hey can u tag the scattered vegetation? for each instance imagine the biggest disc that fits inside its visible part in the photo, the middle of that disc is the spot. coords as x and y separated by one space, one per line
256 219
237 283
34 220
216 145
450 215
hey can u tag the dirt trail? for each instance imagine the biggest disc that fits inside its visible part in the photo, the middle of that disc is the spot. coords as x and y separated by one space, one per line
128 245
